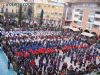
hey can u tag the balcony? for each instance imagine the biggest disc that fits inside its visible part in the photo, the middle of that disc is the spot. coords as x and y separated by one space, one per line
97 15
97 23
76 12
75 18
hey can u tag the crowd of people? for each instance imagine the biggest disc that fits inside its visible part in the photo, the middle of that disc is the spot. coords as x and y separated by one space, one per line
54 54
11 23
8 21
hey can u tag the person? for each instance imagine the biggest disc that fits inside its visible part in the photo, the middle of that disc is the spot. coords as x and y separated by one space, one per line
0 34
64 67
0 47
9 64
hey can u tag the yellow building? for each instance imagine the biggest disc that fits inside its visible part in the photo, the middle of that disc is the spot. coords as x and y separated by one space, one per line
50 11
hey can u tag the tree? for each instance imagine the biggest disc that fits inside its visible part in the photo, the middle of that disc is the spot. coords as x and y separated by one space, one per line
29 12
41 17
20 15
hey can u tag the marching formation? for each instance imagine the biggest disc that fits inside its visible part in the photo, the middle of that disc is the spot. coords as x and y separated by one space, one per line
53 54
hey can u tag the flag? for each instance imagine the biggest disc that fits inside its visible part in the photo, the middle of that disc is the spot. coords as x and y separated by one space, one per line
32 62
25 54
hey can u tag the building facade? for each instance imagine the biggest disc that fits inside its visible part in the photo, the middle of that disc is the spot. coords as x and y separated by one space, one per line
11 6
52 9
84 15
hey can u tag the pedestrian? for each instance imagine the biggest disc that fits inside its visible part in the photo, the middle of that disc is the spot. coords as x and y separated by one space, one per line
9 64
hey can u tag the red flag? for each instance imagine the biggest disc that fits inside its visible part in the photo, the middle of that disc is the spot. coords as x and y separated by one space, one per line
32 62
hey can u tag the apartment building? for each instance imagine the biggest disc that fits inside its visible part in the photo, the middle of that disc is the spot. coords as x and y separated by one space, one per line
84 14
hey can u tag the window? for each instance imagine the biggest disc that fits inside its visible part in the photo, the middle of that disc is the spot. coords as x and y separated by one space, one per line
6 9
25 0
48 5
97 12
47 16
76 15
96 26
38 14
3 6
2 10
55 13
92 13
25 9
90 19
60 14
77 9
39 6
75 21
6 4
16 11
44 6
81 12
12 11
79 23
98 4
52 6
80 18
89 25
97 19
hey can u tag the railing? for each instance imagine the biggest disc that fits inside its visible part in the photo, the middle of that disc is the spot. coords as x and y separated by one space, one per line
97 15
97 23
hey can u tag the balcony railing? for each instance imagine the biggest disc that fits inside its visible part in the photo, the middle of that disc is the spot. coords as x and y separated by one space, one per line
97 23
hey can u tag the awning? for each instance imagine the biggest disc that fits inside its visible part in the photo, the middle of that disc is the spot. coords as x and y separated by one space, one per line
75 29
66 27
72 28
87 34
